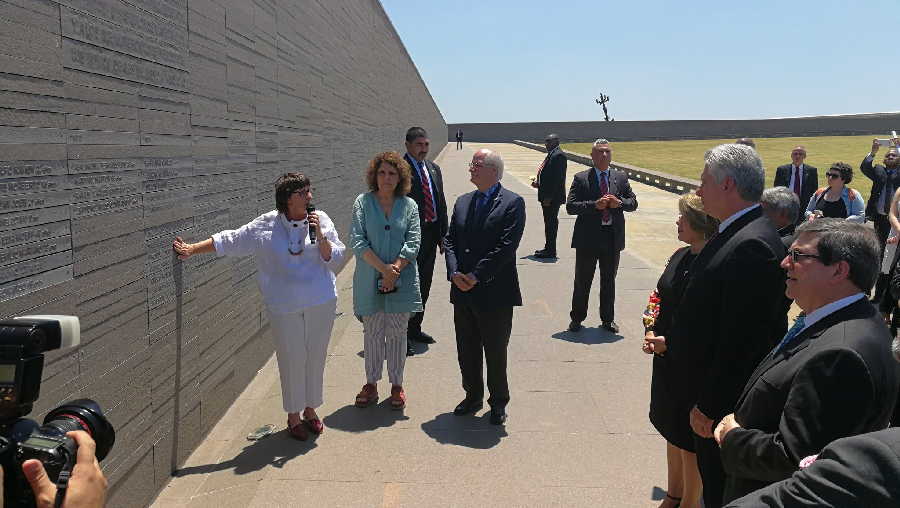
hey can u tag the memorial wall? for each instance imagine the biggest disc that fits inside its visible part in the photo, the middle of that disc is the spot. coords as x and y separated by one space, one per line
879 124
124 123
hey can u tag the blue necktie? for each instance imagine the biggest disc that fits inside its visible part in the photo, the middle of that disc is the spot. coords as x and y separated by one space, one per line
480 202
794 330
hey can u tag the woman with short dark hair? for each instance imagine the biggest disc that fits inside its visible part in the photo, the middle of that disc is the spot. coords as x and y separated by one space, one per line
836 200
295 274
385 238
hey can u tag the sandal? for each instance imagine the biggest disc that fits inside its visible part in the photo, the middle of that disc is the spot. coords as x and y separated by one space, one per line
398 398
314 425
367 396
677 500
298 431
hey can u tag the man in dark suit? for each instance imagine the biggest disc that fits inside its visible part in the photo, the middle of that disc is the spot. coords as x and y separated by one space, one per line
801 178
459 139
831 376
862 470
781 206
731 312
480 249
885 180
598 196
551 185
428 192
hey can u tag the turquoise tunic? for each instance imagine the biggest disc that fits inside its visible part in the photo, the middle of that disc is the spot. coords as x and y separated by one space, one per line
388 238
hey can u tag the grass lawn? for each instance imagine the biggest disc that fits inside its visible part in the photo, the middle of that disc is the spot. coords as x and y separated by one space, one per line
685 157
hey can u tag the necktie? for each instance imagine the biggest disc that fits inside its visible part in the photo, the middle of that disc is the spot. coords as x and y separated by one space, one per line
794 330
480 205
797 181
604 190
427 200
888 191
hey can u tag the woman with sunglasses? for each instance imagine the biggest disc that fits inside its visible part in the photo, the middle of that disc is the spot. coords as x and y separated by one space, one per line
837 200
297 251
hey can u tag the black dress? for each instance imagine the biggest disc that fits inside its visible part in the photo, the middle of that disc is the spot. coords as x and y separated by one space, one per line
669 405
835 209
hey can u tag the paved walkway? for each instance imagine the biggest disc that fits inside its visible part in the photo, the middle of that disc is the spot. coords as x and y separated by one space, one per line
577 433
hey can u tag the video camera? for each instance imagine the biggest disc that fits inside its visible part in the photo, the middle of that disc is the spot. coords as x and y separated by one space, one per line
23 341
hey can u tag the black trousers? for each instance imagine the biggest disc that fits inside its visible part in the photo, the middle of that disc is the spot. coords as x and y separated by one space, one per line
551 226
712 472
425 263
882 229
487 330
586 262
459 144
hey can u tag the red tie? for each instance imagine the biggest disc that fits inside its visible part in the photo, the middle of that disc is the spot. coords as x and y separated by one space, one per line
604 190
428 201
797 181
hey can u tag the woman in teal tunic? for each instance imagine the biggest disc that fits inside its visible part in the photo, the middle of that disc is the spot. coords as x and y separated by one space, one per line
385 238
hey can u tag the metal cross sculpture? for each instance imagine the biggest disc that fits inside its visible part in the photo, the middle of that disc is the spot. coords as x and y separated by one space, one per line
602 101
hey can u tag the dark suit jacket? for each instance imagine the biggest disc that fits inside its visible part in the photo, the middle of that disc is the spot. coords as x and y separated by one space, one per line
552 182
787 235
486 249
437 188
878 175
861 471
836 379
731 314
810 183
585 190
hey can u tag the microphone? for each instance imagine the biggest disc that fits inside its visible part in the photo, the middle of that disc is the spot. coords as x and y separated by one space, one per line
312 229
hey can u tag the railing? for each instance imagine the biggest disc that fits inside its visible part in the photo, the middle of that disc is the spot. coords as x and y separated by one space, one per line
663 181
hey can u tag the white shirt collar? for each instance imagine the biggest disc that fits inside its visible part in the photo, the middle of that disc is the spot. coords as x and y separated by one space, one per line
830 308
740 213
800 167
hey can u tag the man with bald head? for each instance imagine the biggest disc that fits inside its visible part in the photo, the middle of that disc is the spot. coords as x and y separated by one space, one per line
550 183
801 178
480 250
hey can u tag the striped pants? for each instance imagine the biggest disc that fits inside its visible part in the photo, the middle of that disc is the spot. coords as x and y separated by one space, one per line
385 338
301 346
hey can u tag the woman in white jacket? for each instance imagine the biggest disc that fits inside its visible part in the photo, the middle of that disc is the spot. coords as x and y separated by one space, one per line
296 278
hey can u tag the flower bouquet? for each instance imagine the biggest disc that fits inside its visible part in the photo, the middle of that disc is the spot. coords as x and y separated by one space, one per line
652 310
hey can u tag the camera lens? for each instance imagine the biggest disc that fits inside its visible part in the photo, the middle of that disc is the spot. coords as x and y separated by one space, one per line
86 415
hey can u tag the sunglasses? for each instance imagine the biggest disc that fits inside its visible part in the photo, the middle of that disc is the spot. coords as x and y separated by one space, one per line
832 175
795 255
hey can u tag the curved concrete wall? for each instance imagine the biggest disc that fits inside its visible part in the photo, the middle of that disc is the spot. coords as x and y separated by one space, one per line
879 124
126 122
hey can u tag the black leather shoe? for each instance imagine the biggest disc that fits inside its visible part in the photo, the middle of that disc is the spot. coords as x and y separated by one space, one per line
543 254
611 326
468 406
410 350
498 415
424 338
574 326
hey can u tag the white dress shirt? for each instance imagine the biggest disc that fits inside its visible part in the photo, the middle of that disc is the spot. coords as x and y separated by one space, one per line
827 309
287 282
799 174
737 215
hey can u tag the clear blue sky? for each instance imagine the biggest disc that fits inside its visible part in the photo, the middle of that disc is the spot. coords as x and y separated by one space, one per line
521 61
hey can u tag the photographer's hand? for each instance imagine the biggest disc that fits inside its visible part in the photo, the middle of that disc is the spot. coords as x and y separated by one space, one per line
87 486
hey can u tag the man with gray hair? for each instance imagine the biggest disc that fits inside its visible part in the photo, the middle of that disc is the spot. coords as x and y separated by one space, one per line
831 375
480 249
598 196
782 207
732 311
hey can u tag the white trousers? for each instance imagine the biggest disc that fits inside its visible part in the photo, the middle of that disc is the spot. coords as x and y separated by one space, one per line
385 338
301 345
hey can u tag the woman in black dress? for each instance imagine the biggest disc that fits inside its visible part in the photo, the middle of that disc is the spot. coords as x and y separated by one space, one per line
669 409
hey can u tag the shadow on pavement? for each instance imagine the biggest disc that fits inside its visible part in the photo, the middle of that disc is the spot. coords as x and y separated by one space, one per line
532 257
468 431
274 450
657 494
362 419
588 335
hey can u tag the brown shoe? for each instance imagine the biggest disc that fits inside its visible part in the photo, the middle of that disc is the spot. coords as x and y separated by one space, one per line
298 431
367 396
398 397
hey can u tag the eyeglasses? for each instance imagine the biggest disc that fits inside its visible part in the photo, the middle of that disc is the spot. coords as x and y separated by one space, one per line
832 175
795 255
301 191
473 165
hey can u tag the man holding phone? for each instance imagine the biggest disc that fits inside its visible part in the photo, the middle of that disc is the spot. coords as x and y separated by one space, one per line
885 180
